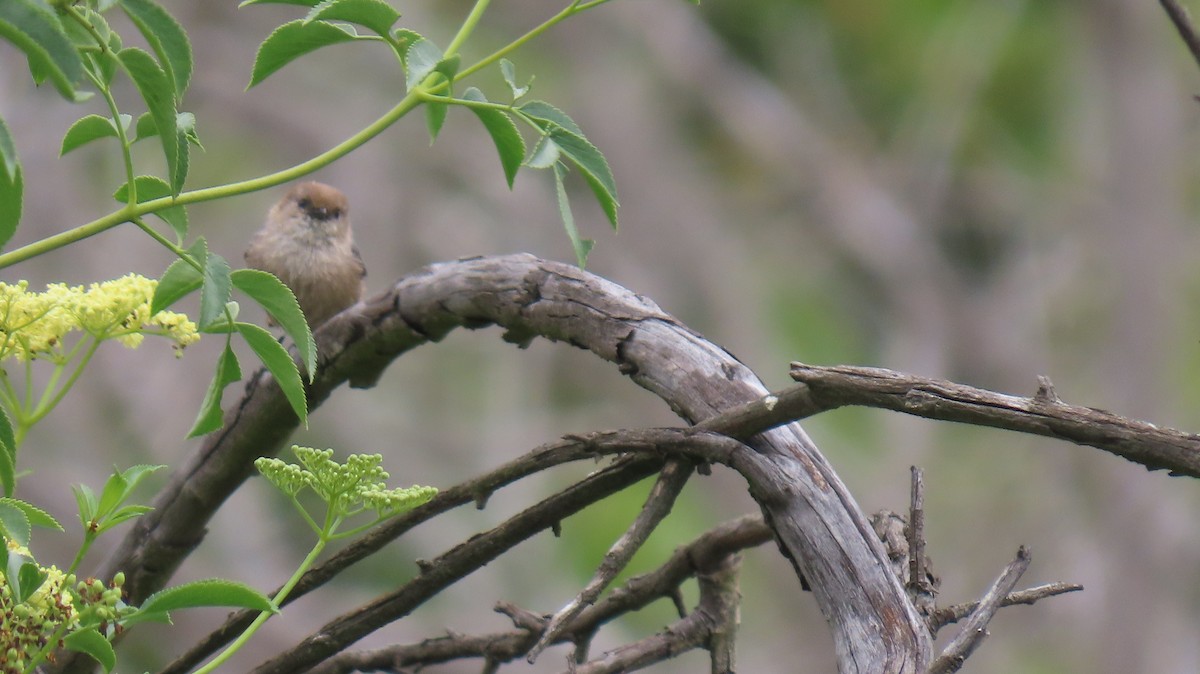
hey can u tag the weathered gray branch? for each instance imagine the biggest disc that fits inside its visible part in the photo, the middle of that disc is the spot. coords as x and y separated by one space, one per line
974 630
818 524
1043 414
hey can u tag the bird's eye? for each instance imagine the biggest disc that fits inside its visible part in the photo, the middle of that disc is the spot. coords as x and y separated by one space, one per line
305 203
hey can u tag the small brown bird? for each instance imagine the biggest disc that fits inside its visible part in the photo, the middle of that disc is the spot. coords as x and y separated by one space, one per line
307 243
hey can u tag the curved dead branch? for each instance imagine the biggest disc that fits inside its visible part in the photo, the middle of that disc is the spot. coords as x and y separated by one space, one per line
819 526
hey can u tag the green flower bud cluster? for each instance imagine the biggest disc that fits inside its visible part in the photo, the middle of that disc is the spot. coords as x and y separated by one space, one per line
100 602
389 502
35 325
61 604
358 484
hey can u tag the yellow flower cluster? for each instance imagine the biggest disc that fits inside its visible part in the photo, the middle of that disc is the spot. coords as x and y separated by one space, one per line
34 325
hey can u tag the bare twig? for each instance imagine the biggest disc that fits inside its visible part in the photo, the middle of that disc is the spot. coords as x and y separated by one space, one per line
716 612
1138 441
916 533
975 629
671 481
721 541
952 614
1183 24
921 585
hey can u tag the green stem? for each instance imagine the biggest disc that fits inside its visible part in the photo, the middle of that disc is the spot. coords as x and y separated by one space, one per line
567 12
106 92
406 105
467 27
126 155
88 539
265 615
168 244
45 407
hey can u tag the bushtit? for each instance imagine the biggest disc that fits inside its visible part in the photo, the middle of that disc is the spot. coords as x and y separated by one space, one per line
307 243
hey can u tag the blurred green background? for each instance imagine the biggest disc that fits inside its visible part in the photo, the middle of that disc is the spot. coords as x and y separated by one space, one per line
981 191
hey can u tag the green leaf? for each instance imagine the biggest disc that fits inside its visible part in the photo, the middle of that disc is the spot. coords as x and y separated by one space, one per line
145 127
83 38
134 474
581 246
435 112
11 186
228 371
36 30
509 71
8 454
150 188
435 118
180 278
9 163
279 362
90 642
504 133
85 498
124 514
272 295
14 523
421 58
13 563
544 155
293 40
571 142
594 167
146 617
182 159
185 123
36 516
405 38
213 592
547 116
215 291
89 128
116 490
166 37
158 92
107 61
31 578
120 486
377 15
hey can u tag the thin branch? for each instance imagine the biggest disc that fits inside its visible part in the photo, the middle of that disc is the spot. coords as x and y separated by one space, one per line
922 584
456 563
975 629
1183 24
721 541
916 533
477 490
952 614
719 599
659 502
1138 441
